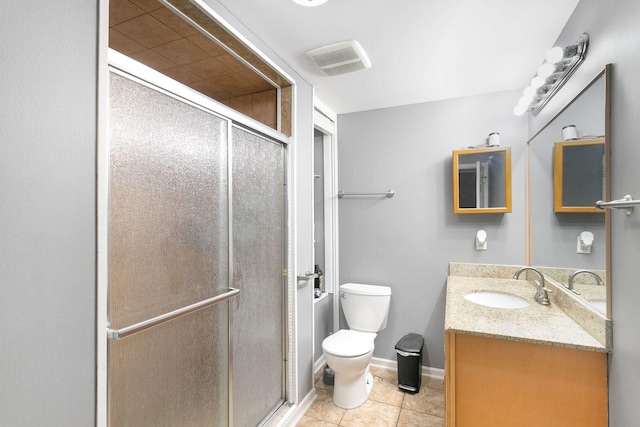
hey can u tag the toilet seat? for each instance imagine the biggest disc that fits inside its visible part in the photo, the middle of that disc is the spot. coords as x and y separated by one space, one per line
348 343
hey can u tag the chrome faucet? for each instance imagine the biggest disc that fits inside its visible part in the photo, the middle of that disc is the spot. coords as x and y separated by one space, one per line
541 296
575 273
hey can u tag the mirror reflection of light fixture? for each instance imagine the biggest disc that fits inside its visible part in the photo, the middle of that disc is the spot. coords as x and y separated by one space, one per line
310 2
558 66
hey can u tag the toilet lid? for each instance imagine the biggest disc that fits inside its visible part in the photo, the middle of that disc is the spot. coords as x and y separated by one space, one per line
347 343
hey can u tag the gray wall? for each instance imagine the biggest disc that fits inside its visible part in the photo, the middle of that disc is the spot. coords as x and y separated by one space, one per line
407 242
615 38
47 213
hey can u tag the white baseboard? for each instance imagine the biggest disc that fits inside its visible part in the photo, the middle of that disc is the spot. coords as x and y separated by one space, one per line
427 371
317 367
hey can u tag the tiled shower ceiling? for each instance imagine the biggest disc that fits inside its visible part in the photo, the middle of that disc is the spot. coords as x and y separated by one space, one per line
150 33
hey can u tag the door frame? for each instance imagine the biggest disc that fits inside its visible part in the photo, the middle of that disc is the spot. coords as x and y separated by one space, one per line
326 121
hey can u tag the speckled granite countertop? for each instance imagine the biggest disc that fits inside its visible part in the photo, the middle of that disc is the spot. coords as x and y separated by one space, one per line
535 323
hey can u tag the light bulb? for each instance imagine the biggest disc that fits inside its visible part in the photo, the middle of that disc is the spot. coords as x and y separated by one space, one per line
519 110
555 55
525 101
529 92
537 82
546 69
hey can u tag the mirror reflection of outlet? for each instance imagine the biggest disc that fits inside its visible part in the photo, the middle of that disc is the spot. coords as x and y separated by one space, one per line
481 240
582 248
585 241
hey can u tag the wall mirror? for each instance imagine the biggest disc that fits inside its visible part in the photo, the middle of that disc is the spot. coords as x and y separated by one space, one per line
553 237
578 175
482 180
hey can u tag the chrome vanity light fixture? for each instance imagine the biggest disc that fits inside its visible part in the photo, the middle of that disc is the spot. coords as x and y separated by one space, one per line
310 2
558 66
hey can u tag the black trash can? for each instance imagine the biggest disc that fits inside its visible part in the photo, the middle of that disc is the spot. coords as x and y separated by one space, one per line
409 350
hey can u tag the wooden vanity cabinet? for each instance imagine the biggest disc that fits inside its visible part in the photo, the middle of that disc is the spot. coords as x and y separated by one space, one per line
496 382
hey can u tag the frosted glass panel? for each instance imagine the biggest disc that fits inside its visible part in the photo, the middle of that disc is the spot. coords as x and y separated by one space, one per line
168 248
168 213
174 374
258 258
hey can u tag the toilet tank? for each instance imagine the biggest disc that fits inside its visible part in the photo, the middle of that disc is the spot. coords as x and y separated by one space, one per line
366 307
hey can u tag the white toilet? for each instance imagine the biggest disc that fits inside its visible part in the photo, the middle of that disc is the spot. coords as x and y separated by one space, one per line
348 351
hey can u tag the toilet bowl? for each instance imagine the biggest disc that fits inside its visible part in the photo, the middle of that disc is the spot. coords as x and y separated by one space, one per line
349 351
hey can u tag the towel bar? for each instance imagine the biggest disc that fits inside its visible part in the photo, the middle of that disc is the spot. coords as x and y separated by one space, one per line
626 204
389 193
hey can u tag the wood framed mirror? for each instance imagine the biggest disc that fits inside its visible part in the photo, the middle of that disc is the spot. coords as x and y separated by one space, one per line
578 175
482 180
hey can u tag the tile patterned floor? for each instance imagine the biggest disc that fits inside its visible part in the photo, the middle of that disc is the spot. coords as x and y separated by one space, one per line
387 405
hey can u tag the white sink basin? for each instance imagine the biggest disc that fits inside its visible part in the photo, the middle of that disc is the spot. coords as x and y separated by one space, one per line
496 299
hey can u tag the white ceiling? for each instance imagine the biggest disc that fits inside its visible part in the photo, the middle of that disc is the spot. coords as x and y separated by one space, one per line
421 50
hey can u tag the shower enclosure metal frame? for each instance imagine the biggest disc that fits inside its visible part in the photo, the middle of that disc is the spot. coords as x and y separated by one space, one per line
122 65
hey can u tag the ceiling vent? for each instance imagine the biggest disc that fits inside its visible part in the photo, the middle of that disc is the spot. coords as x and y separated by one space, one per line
340 58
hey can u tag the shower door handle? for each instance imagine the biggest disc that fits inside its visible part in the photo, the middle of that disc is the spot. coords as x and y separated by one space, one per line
146 324
307 276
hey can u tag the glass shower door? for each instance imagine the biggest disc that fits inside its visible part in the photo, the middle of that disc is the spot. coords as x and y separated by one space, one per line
259 247
169 252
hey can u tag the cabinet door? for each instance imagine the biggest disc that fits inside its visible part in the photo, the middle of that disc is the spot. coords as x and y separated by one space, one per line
494 382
